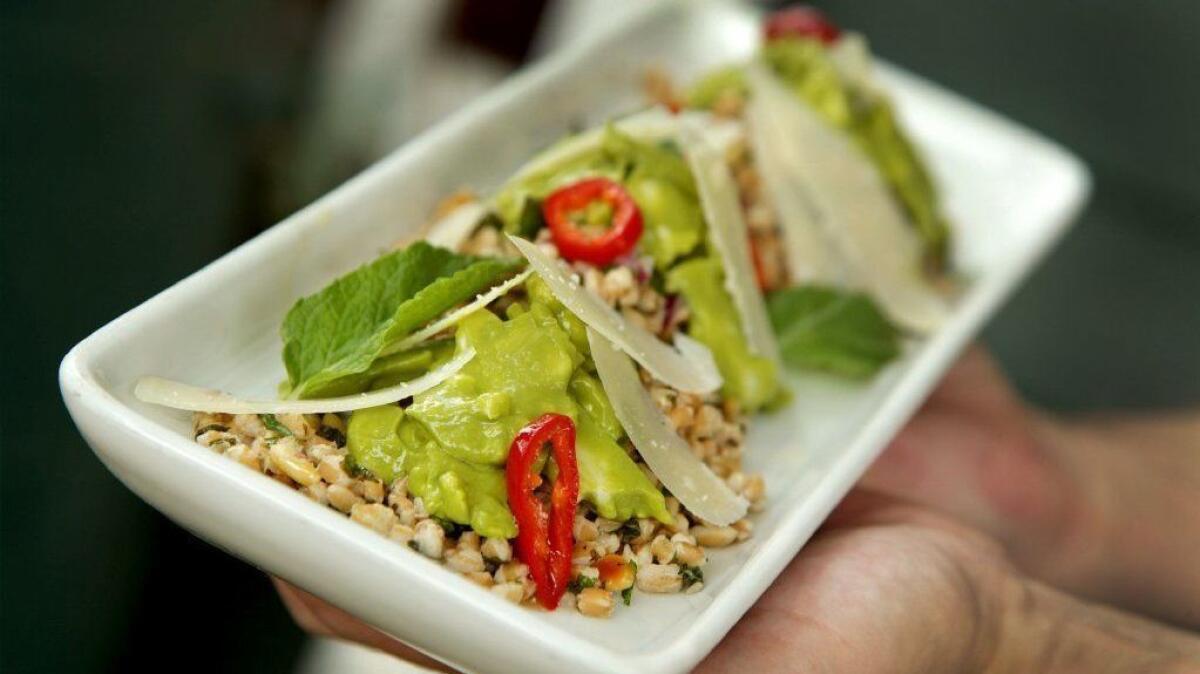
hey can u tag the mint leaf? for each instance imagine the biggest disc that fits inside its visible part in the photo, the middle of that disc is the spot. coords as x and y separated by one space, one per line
832 330
331 336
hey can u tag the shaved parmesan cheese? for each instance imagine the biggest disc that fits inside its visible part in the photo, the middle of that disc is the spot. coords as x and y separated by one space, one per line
853 207
695 352
666 453
721 132
457 315
727 230
159 391
666 364
851 57
810 255
454 228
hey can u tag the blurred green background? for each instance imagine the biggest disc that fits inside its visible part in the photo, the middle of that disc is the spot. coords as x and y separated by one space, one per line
142 140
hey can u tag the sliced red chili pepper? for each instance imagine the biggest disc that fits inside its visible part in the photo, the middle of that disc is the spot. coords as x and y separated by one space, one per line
545 541
573 242
801 21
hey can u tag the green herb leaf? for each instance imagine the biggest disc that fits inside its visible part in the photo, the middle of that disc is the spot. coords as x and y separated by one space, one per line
274 425
340 331
220 428
333 435
530 220
353 469
692 575
833 330
627 595
629 530
580 583
452 529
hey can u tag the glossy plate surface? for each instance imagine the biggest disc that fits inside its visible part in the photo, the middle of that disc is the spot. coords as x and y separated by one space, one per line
1010 192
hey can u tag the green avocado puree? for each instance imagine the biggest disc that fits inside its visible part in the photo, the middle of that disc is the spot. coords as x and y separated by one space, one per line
657 178
751 380
452 442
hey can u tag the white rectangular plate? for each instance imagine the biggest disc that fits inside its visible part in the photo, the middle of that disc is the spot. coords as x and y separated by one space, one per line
1010 193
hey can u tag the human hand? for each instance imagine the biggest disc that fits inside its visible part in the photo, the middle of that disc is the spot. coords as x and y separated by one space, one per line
1105 508
887 586
883 586
322 619
885 583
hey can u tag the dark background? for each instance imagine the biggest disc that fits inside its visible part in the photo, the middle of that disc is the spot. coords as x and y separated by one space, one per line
138 142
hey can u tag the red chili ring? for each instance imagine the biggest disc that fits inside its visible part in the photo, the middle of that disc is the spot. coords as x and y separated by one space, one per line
573 243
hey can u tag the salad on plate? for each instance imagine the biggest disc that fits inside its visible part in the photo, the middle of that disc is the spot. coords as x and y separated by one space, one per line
550 391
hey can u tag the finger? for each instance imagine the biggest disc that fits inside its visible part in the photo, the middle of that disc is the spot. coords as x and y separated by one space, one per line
860 507
935 461
975 382
299 610
319 617
863 507
865 595
993 478
935 458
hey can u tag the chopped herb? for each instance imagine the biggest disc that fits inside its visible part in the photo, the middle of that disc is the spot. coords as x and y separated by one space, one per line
670 146
414 546
273 424
629 530
692 575
333 435
221 428
353 469
627 593
530 220
580 583
452 529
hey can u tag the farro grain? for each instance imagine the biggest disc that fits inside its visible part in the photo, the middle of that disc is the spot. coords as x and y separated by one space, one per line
513 592
496 550
659 578
430 539
342 498
714 537
662 549
465 560
286 458
374 515
594 602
